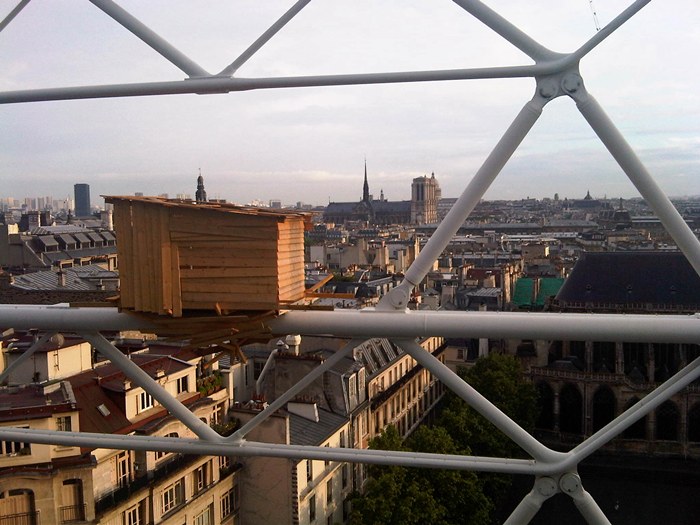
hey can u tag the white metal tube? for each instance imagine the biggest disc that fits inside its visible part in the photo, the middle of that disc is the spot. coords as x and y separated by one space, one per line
264 38
475 190
608 30
216 85
505 29
570 484
590 510
293 391
629 417
248 448
373 323
640 177
263 373
64 318
12 14
147 35
25 356
495 325
528 507
479 403
142 379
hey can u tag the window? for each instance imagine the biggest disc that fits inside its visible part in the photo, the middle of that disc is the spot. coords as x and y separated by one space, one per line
132 516
202 477
123 469
257 368
344 475
63 423
182 385
230 502
224 463
312 508
206 517
8 448
160 454
342 439
173 496
329 491
217 416
309 470
145 401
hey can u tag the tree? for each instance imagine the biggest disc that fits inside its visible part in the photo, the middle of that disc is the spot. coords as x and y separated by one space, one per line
399 495
498 378
393 495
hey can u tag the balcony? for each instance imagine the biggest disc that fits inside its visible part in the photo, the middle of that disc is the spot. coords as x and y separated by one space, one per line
73 513
23 518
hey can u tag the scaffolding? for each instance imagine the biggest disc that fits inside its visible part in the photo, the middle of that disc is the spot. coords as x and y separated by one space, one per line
556 75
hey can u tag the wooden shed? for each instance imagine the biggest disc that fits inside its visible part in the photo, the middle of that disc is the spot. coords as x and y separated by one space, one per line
176 256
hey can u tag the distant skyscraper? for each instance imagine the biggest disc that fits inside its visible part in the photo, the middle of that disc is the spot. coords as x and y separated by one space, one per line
82 200
200 195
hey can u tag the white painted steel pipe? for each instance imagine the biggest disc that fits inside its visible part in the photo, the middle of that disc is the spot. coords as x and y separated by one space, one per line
12 14
608 30
629 417
506 29
29 352
479 403
264 38
151 38
409 323
305 381
248 448
475 190
528 507
494 325
64 318
215 84
150 385
640 177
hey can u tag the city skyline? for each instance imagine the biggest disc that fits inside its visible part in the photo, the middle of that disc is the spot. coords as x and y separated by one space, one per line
309 144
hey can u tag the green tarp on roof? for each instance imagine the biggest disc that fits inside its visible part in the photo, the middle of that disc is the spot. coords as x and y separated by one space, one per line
522 296
549 287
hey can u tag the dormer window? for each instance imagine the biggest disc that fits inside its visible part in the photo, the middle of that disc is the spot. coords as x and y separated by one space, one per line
145 401
182 385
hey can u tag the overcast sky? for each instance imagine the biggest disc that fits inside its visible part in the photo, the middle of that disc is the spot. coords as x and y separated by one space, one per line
309 144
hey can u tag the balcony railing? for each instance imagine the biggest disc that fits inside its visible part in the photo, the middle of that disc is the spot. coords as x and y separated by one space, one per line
73 513
23 518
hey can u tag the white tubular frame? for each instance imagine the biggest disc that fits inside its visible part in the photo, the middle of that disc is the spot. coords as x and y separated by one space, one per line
556 75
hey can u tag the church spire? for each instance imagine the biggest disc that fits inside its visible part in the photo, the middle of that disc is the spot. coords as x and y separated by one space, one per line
365 187
201 194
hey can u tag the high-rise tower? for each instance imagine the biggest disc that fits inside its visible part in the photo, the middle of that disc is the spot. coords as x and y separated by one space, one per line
82 200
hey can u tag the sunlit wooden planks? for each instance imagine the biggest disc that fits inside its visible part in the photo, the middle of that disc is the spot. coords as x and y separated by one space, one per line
181 256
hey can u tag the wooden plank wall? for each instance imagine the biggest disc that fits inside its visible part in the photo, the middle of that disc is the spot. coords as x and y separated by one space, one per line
175 258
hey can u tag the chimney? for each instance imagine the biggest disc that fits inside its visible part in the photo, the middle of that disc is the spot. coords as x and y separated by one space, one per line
293 342
61 277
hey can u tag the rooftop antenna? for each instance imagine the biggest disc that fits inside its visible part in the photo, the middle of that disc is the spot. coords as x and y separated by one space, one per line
595 15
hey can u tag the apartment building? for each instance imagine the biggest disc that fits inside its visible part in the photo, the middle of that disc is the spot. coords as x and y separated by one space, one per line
55 484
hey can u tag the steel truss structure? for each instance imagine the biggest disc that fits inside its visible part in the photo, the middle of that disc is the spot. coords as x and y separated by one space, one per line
556 75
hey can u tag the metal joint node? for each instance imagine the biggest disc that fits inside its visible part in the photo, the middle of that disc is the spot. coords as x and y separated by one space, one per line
546 486
548 88
570 483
